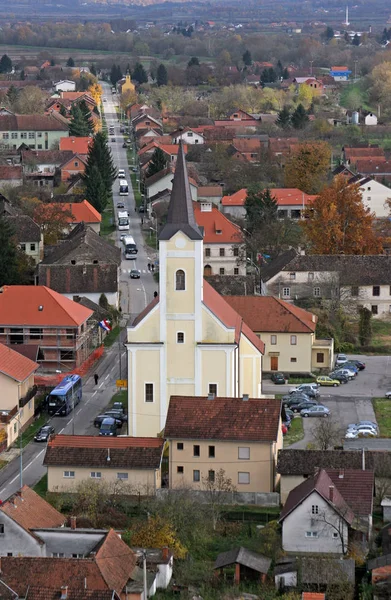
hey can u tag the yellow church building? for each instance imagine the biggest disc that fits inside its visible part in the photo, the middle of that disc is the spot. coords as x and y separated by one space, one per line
188 341
127 86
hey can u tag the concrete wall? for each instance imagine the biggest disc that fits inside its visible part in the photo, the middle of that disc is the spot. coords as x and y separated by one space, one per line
138 480
17 541
253 498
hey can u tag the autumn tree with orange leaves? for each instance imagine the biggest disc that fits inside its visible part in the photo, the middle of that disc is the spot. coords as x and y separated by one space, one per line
308 166
338 223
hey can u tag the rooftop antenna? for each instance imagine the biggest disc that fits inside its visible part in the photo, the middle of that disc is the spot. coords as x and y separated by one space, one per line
347 16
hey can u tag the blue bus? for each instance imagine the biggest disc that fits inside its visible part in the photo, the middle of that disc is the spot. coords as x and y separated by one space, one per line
65 396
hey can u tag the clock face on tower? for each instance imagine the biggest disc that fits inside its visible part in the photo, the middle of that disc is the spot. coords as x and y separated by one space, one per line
180 242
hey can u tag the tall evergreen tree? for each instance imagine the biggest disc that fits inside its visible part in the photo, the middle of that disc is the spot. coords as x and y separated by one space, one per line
284 118
158 162
161 75
139 74
285 74
99 161
93 70
78 126
299 117
193 62
115 74
356 40
261 208
86 112
95 189
70 62
8 254
247 58
12 94
5 64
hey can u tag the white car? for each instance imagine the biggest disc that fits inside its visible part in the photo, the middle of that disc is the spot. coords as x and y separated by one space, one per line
362 432
388 394
312 388
341 359
350 374
362 428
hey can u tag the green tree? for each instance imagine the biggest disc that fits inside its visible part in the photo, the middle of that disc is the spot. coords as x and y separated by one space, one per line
365 326
95 189
157 163
63 111
356 41
328 34
247 58
285 74
8 254
161 75
22 75
100 173
260 207
12 95
93 70
78 125
139 74
299 117
70 62
284 118
193 62
86 112
307 167
115 74
5 64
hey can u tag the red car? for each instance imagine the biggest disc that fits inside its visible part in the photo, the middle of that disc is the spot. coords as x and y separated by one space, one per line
284 429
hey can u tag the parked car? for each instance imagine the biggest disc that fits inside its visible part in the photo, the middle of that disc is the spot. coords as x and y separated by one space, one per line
341 359
108 427
287 401
339 376
315 411
44 433
362 428
369 423
284 429
308 388
118 406
100 418
135 274
354 434
297 408
361 365
347 372
278 378
324 380
388 394
351 367
117 414
289 413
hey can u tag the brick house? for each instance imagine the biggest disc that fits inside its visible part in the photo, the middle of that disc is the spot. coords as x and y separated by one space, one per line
73 167
61 329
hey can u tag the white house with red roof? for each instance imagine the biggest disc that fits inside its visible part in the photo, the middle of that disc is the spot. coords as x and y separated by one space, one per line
188 341
224 250
80 212
17 394
291 202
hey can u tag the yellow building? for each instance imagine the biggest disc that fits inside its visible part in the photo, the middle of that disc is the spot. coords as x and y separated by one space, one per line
127 86
17 394
188 341
240 435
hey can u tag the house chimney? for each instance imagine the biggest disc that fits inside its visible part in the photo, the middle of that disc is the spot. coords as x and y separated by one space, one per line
245 397
331 493
363 459
165 553
341 474
64 592
73 522
211 396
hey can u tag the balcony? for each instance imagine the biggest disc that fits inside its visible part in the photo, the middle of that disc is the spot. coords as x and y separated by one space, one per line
7 415
30 394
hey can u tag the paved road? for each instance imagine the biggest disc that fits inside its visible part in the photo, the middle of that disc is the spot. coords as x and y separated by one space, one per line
135 295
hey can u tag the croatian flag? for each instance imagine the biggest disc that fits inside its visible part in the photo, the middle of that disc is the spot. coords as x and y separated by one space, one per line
105 324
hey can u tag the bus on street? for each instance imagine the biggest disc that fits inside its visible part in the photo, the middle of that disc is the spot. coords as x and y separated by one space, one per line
130 248
65 396
123 220
123 187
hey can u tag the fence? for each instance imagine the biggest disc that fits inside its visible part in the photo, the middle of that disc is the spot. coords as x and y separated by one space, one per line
53 380
271 499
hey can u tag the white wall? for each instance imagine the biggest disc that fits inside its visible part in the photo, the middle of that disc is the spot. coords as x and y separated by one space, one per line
235 211
371 119
228 262
189 137
374 196
65 86
112 297
165 183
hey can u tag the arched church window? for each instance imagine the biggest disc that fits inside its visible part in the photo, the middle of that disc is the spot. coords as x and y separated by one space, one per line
180 280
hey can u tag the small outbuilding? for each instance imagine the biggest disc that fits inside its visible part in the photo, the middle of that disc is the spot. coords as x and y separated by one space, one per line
248 565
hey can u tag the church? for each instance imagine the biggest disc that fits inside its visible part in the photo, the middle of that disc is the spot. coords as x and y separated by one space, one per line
188 341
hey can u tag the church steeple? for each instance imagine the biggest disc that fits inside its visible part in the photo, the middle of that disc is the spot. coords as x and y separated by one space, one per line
180 212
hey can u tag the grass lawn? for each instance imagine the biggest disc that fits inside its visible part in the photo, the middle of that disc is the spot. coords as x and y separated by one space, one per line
382 408
137 194
299 380
112 336
41 487
3 463
107 225
120 396
295 433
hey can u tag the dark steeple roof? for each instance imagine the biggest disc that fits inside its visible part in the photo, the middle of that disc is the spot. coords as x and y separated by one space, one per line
180 212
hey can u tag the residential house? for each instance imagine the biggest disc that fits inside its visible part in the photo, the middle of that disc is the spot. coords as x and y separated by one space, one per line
145 121
224 251
17 394
214 135
76 145
358 279
188 341
362 152
65 85
288 333
291 202
238 119
11 175
39 132
59 327
20 515
245 149
312 82
28 236
380 170
31 73
73 167
80 212
161 181
188 136
144 137
84 264
324 513
210 193
170 152
340 73
135 462
281 148
41 167
240 435
375 195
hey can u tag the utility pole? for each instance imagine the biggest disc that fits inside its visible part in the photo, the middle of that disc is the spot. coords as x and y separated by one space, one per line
21 452
145 574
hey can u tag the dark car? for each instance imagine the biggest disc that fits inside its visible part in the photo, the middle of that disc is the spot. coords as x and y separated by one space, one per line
124 145
118 406
299 406
288 401
100 418
44 433
359 364
113 139
117 414
120 205
135 274
289 413
108 427
339 377
278 378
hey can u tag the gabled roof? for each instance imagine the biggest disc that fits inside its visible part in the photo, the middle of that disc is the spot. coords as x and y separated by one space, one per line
213 221
180 215
78 145
229 419
15 365
25 229
320 483
115 561
80 157
354 153
236 199
377 166
31 123
294 462
283 197
56 311
278 264
269 314
31 511
81 211
104 452
356 487
49 157
243 556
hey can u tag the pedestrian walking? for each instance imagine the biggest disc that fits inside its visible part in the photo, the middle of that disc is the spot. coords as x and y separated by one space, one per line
152 267
149 266
155 294
96 377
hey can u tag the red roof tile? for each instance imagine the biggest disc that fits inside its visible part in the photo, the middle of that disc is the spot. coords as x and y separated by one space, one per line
20 305
8 172
31 511
213 221
81 211
94 441
377 153
78 145
375 166
15 365
313 596
283 196
115 561
195 417
236 199
356 487
269 314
